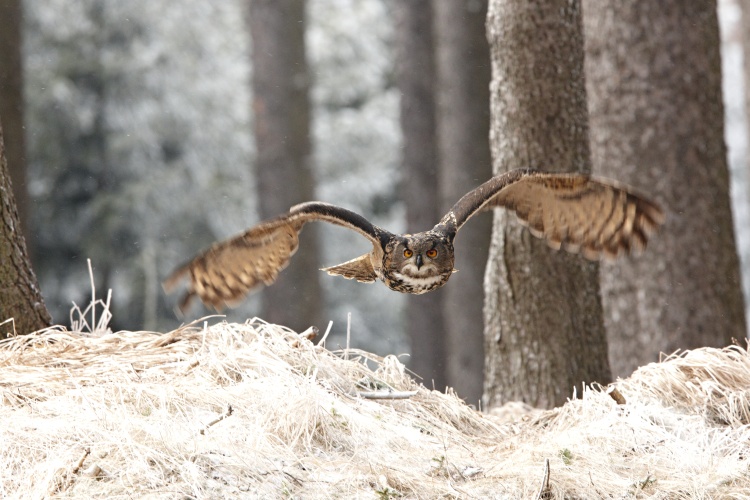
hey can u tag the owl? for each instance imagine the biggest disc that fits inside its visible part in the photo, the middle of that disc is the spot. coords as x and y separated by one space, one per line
575 212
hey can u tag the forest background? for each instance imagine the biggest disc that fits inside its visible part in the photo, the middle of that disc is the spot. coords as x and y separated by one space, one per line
140 151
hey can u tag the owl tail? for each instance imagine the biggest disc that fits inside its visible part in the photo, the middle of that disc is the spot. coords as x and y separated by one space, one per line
359 269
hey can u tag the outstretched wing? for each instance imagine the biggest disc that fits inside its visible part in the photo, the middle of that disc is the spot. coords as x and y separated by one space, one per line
574 211
226 272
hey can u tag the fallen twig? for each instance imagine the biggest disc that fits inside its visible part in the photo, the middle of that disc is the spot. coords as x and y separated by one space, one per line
310 333
218 419
615 394
388 394
64 482
544 491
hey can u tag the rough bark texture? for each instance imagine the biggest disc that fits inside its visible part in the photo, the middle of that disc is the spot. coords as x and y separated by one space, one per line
281 107
463 64
416 81
544 329
11 103
20 297
654 81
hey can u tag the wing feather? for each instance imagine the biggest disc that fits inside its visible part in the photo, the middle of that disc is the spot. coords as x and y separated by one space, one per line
577 212
226 272
360 269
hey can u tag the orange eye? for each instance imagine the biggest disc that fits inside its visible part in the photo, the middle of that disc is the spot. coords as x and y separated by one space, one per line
408 253
432 253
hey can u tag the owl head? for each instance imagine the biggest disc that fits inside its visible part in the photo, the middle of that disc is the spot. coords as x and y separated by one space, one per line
418 263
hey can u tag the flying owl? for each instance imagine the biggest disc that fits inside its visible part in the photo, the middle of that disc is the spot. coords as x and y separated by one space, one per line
576 212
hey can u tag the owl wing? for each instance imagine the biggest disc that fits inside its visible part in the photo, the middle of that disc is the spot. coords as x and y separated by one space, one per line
577 212
360 269
226 272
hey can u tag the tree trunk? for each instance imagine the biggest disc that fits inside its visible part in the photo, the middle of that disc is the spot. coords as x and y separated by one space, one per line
11 104
463 62
284 174
544 329
743 247
657 118
416 81
20 297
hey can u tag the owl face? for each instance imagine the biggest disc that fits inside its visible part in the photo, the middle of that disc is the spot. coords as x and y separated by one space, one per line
418 263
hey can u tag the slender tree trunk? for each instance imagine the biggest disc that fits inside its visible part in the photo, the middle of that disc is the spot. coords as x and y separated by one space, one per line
544 329
416 81
463 123
20 297
654 77
11 104
284 171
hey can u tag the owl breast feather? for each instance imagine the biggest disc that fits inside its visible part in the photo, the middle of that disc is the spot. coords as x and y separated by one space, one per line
405 283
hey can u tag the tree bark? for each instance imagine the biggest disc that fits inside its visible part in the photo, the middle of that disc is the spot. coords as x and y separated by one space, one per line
742 29
463 123
284 173
11 104
416 81
657 118
544 329
20 297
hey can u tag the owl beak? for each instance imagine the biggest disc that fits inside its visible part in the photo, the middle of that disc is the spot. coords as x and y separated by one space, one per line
419 261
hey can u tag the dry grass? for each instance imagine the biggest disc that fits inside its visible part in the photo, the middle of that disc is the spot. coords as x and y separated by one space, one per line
255 411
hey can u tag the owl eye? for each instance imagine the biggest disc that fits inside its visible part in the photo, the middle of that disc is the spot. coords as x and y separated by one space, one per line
432 253
408 253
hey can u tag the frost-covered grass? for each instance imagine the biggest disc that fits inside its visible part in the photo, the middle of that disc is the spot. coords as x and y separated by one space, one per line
256 411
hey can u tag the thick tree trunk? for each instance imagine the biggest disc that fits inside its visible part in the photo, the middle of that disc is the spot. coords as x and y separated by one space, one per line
20 297
654 81
544 329
284 173
11 104
416 81
464 159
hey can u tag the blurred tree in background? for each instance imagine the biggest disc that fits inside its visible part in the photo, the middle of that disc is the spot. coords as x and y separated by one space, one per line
283 169
657 123
416 79
463 122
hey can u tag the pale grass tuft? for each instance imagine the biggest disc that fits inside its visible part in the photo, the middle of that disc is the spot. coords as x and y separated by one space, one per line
79 321
256 411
